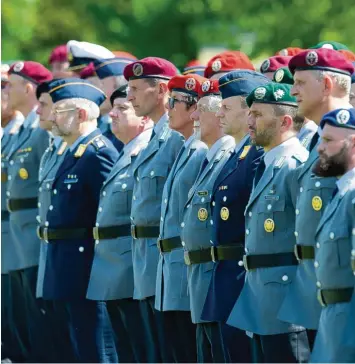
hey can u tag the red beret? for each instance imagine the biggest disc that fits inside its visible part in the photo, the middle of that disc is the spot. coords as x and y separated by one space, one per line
350 56
150 67
272 64
289 51
59 54
228 61
322 59
208 88
189 84
123 54
31 71
88 71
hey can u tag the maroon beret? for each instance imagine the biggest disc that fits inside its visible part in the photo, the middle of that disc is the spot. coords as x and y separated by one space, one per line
150 67
59 54
322 59
189 84
31 71
88 71
208 88
272 64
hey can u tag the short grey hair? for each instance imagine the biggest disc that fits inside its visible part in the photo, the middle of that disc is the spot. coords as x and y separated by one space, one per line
213 104
91 108
155 81
342 81
282 110
120 81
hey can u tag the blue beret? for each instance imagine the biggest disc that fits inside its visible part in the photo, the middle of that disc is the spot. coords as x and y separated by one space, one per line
340 118
240 83
111 67
197 70
69 88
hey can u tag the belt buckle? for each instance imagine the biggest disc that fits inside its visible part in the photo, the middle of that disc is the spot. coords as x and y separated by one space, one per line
187 258
45 234
134 232
160 245
296 252
321 298
95 233
8 205
214 255
38 232
245 262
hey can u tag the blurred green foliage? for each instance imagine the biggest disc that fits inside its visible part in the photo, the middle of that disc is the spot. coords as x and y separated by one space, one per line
173 29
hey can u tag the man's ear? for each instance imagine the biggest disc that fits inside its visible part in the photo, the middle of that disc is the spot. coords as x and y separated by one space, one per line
83 115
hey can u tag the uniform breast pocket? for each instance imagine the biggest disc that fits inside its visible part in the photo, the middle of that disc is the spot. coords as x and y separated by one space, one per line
319 193
153 180
201 210
122 195
272 216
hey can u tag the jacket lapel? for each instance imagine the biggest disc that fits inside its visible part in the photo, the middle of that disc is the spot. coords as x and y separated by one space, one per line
308 164
122 163
264 181
328 213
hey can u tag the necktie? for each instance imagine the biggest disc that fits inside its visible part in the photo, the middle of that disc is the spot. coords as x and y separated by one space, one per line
336 190
203 167
259 172
314 141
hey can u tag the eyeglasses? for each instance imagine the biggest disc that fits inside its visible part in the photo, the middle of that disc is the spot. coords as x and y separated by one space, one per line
56 112
172 100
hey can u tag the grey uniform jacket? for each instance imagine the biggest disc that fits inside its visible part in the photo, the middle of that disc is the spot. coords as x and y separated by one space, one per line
151 171
196 226
50 162
272 201
306 133
171 286
300 305
112 270
335 341
24 159
8 138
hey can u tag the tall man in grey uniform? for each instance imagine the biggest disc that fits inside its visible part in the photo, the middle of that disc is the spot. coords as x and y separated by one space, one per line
269 239
322 84
111 278
196 222
171 288
147 81
335 341
24 159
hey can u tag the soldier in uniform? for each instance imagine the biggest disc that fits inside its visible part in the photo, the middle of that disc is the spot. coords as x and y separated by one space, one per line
194 67
58 61
272 64
67 229
197 223
147 80
111 278
352 90
269 234
230 195
335 341
225 62
171 296
88 73
11 121
322 83
23 160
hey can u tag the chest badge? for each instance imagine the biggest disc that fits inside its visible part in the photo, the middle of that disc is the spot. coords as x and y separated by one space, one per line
269 225
23 173
202 214
224 213
317 203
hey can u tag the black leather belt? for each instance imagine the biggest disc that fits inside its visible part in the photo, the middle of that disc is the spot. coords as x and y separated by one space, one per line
304 251
332 296
139 232
5 215
16 204
197 256
45 233
111 232
227 252
269 260
167 245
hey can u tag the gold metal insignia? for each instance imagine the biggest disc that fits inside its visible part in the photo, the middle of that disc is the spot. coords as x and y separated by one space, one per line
245 152
62 148
224 213
202 214
317 203
23 173
269 225
80 151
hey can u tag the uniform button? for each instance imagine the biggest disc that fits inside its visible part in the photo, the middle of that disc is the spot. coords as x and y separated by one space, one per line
285 278
38 218
202 199
225 198
55 192
296 234
104 193
69 186
182 224
240 263
211 242
97 241
81 249
211 222
166 200
353 232
40 189
269 207
301 189
213 203
331 235
39 204
48 186
187 206
152 173
247 231
183 243
100 209
51 207
97 224
316 264
2 164
11 163
318 245
22 160
124 186
134 198
317 184
161 219
319 285
9 178
297 211
46 223
250 214
246 250
353 253
7 193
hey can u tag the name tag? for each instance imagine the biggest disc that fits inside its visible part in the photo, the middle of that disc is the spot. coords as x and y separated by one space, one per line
202 193
75 180
272 197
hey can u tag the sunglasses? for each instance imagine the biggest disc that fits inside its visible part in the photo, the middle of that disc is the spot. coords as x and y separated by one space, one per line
172 100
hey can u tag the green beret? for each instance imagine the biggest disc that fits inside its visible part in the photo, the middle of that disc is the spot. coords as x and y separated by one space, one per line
283 75
272 93
330 45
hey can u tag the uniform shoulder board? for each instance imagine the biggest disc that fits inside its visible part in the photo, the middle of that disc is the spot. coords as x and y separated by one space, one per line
98 143
245 151
62 148
301 156
219 155
305 141
279 163
165 134
81 150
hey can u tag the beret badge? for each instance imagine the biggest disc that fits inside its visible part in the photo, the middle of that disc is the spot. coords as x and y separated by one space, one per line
279 75
19 66
138 69
206 86
260 92
343 116
216 65
190 84
312 58
265 65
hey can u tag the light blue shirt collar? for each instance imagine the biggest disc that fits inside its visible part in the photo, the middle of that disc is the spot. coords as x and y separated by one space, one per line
241 143
57 141
144 136
216 147
346 181
160 124
280 150
17 119
31 117
189 141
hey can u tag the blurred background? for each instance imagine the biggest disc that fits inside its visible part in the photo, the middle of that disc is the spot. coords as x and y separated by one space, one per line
179 30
